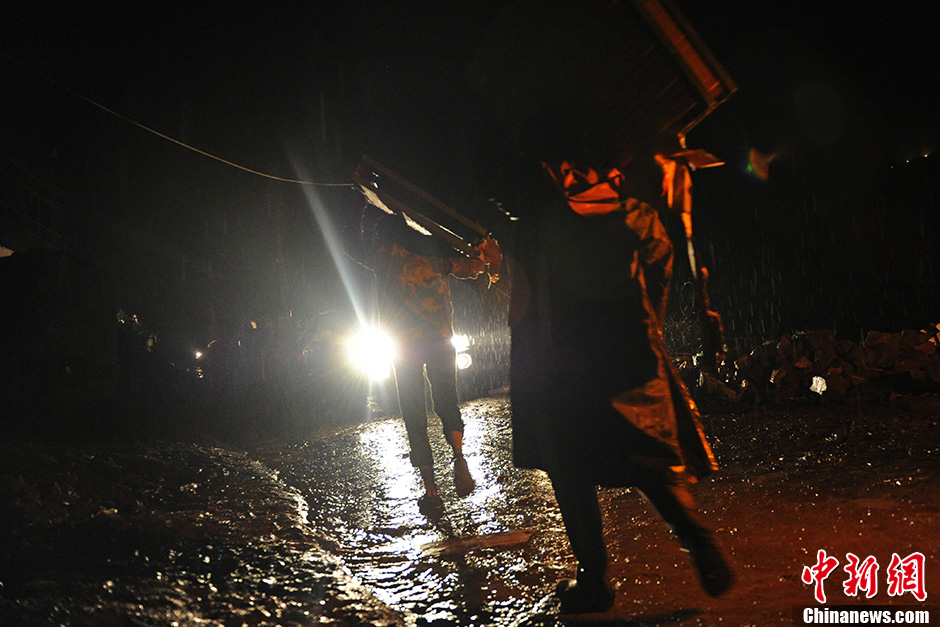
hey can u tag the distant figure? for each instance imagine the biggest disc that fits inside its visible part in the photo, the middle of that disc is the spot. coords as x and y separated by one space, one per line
595 398
415 306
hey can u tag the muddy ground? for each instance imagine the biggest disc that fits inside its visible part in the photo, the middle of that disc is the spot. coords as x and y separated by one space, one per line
311 529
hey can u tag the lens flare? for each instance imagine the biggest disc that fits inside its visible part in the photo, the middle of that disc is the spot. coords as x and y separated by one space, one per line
461 342
758 164
371 351
334 244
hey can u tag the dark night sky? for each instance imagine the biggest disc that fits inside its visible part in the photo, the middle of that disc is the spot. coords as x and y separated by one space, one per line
245 83
303 89
881 61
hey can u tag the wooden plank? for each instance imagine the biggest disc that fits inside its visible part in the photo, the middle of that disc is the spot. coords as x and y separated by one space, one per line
636 67
393 193
453 213
384 198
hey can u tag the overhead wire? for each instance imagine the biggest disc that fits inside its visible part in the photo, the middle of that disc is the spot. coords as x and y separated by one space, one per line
168 137
184 144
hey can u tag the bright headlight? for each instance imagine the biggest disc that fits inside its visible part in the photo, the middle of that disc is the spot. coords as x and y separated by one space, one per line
464 361
371 352
460 342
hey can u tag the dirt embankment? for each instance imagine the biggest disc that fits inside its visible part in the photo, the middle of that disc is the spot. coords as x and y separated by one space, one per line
162 534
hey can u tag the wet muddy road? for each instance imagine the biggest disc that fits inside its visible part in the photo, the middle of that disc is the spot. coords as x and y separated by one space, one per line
327 530
483 563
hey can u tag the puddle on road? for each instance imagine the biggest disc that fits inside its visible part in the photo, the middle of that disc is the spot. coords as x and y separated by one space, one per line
488 560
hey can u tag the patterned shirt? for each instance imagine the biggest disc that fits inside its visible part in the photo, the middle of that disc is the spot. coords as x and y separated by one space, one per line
415 300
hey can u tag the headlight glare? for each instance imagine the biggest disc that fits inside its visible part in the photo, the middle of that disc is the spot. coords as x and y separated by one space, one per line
371 352
461 342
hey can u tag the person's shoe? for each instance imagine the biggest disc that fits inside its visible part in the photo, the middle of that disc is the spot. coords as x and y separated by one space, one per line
463 482
714 574
579 597
431 506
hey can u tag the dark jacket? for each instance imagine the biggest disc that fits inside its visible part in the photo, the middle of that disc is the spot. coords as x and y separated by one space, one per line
593 390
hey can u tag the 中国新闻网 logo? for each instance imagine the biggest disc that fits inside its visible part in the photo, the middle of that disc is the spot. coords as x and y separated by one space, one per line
903 575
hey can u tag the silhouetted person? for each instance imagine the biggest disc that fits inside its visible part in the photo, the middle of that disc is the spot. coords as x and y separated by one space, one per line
595 398
415 305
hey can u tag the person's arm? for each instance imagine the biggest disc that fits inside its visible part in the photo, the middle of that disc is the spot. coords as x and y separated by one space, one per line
462 267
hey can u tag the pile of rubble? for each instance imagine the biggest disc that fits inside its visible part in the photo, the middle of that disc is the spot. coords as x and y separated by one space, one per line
815 364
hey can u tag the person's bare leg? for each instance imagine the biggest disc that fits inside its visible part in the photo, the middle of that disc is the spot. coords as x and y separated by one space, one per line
463 481
456 442
430 504
427 477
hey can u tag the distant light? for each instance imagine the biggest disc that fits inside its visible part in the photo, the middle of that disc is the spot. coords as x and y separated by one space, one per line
819 385
198 354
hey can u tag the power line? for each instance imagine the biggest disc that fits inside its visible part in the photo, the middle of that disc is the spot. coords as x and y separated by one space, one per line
172 139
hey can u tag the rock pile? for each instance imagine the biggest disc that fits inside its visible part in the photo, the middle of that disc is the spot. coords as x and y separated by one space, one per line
817 364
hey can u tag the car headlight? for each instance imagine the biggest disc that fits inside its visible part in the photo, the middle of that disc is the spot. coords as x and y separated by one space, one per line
461 342
464 361
371 352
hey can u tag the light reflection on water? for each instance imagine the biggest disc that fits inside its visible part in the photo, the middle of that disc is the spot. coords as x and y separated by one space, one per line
385 443
478 563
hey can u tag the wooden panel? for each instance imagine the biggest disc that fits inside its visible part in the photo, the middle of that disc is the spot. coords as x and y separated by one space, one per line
634 66
394 194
